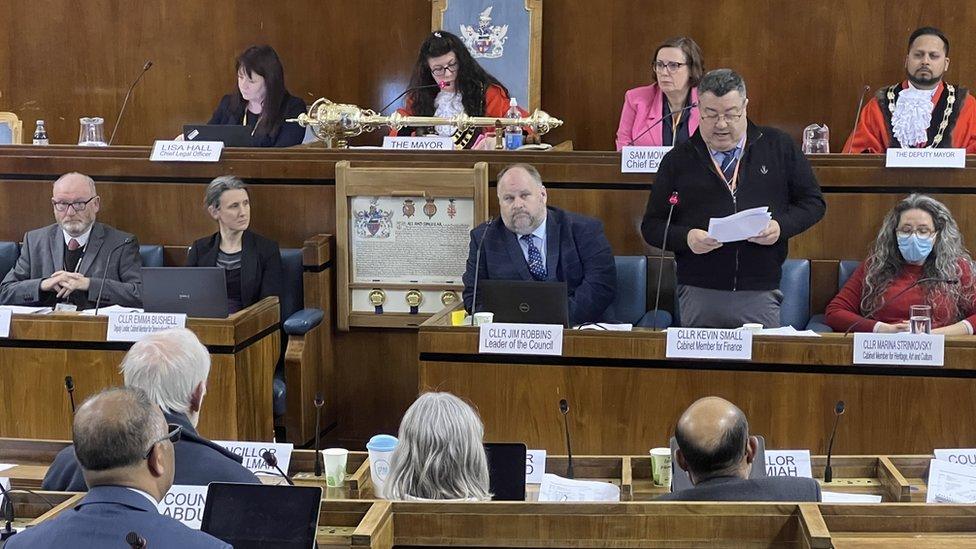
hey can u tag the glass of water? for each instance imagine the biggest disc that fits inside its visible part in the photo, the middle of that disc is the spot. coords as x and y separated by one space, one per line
920 319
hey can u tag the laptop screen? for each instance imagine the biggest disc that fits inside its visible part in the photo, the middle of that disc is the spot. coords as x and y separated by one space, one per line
506 470
257 516
523 301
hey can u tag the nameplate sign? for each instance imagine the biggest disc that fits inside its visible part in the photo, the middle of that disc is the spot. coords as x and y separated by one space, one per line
5 315
899 349
419 143
135 326
709 343
251 452
521 339
186 151
185 504
962 456
926 158
535 466
641 159
788 463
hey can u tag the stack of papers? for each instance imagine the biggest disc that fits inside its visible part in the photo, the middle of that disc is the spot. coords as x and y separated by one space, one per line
951 483
787 331
21 310
557 488
105 311
739 226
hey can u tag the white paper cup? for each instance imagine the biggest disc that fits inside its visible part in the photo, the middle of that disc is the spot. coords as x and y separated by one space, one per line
483 318
752 327
380 451
335 466
661 466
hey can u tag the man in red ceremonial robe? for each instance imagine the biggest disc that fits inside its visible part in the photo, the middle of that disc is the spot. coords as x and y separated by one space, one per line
922 111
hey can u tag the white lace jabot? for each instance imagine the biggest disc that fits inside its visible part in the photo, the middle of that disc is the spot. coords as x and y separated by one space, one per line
447 104
913 115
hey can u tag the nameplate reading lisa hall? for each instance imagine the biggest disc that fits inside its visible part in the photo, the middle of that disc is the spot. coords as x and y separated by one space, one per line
135 326
186 151
641 159
419 143
709 343
926 158
521 339
899 349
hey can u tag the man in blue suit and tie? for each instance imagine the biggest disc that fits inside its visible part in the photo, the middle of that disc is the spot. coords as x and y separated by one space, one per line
126 451
536 242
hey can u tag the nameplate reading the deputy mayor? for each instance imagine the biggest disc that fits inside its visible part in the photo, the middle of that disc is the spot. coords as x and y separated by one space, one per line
185 504
926 158
899 349
962 456
186 151
5 315
251 453
521 339
419 143
788 463
642 159
709 343
135 326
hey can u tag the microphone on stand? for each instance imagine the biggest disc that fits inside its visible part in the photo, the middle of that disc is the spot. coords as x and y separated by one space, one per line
673 200
857 116
125 101
136 541
8 514
272 461
318 402
477 266
69 385
663 118
408 90
108 264
564 410
838 411
899 294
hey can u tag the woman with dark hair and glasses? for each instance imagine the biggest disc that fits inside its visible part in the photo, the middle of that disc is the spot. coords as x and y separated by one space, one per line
446 82
919 244
646 118
262 103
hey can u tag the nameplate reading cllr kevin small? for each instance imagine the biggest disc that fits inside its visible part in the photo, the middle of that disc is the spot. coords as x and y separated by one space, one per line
711 343
642 159
899 349
521 339
926 158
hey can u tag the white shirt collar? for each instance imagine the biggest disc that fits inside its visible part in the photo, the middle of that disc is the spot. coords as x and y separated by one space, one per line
914 90
82 240
144 494
540 231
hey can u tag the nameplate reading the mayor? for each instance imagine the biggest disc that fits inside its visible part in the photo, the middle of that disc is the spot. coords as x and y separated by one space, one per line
521 339
251 453
788 463
419 143
186 151
926 158
135 326
641 159
709 343
185 504
899 349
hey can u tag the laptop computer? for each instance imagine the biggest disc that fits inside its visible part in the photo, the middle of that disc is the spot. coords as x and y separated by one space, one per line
231 136
196 291
528 302
506 470
258 516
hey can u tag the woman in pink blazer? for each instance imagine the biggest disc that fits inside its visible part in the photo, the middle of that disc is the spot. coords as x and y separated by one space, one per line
675 73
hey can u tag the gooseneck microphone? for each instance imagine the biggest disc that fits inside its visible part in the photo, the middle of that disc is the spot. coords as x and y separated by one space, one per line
272 461
125 101
136 541
69 385
838 411
857 116
663 118
564 410
408 90
8 515
98 300
868 316
318 402
673 200
477 266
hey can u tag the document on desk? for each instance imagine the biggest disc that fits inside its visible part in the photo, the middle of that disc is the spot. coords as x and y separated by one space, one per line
556 488
106 311
951 483
843 497
787 331
21 310
739 226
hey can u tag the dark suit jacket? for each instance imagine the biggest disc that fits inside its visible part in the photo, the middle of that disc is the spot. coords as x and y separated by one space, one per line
261 274
42 254
290 133
102 519
577 253
753 489
198 463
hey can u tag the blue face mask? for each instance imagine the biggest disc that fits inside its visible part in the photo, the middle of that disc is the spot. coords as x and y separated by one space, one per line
915 249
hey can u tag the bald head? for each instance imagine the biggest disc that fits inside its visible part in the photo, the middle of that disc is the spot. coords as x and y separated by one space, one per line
115 428
713 439
78 190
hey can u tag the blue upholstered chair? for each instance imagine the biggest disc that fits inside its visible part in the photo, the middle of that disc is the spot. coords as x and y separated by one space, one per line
9 252
630 303
152 255
845 269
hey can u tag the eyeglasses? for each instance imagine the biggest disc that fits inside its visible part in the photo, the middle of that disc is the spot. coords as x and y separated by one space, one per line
729 117
921 232
671 66
440 71
78 206
175 431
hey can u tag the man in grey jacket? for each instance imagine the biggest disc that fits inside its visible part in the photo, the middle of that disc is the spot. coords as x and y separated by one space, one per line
715 448
67 261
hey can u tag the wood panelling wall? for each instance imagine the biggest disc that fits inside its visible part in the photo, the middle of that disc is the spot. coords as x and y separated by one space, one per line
804 62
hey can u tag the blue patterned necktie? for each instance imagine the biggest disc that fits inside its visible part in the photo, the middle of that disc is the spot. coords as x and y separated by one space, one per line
728 165
536 268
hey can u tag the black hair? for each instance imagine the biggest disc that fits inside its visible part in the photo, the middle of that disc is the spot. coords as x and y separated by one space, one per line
730 449
472 80
928 31
264 61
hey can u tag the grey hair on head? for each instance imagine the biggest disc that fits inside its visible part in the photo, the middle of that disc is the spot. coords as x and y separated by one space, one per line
722 81
168 366
88 179
219 186
441 453
944 262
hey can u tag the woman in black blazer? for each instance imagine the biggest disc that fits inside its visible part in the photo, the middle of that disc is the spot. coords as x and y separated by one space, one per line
252 262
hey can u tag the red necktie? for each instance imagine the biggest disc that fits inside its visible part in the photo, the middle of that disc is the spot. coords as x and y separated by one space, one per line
73 245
